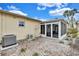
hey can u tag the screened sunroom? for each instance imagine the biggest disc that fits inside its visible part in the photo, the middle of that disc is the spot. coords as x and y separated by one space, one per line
54 28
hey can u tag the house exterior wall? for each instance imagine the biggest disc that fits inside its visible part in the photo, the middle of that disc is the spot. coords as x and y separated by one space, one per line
9 25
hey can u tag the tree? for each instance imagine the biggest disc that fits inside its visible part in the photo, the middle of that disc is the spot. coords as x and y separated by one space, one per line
73 21
72 30
69 14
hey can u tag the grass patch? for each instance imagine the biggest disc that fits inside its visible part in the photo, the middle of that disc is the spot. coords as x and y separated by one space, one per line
23 49
61 42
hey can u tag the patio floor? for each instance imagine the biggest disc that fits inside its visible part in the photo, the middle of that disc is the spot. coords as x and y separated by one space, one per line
42 46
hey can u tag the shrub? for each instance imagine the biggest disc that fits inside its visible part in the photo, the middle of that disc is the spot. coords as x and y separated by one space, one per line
28 36
66 39
33 39
35 54
23 49
31 36
61 42
72 32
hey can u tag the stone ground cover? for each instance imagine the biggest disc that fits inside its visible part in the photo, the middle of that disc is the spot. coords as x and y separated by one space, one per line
42 47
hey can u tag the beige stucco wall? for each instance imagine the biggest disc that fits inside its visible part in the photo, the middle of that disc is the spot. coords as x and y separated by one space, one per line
10 26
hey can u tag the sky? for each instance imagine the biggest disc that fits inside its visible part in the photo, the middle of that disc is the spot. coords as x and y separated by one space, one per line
40 11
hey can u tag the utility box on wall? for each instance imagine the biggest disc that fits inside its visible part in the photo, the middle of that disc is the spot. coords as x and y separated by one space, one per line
8 40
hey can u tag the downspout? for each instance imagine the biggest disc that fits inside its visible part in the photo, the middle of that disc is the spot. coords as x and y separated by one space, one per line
1 26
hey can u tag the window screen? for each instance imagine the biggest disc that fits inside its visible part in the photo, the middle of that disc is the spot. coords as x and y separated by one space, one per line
21 23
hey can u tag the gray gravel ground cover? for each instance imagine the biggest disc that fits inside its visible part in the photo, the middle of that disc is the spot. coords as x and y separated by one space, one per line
41 46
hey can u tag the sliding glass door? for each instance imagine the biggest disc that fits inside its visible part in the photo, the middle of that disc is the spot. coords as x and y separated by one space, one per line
43 29
55 30
48 30
51 30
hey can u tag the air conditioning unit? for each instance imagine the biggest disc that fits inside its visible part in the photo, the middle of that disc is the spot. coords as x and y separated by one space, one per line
8 40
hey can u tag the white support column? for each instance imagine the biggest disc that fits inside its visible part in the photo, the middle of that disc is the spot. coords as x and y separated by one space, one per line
59 30
45 30
51 30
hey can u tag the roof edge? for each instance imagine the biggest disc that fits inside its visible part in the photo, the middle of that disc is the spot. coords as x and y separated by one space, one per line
7 12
